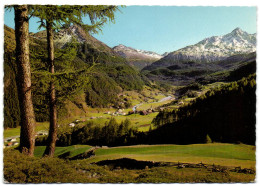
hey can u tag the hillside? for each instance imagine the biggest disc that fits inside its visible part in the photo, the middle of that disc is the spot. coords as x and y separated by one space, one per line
225 114
188 72
76 51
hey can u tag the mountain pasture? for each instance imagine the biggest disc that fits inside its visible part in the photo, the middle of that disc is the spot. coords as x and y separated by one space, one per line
168 164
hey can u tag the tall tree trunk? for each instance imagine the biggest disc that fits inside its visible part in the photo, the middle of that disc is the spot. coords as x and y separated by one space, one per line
27 134
51 142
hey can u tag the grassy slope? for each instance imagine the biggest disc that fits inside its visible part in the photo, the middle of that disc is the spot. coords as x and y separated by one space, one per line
141 122
74 149
222 154
217 153
22 169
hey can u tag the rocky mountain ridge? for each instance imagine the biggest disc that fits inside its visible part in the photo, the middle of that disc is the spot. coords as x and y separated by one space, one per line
217 48
74 33
136 54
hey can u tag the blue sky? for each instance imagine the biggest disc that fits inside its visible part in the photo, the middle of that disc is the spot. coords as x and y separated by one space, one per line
167 28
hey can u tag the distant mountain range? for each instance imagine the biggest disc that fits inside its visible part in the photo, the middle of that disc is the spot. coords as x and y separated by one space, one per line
213 59
198 62
217 47
211 49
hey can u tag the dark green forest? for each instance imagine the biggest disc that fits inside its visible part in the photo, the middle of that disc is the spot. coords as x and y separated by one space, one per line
225 114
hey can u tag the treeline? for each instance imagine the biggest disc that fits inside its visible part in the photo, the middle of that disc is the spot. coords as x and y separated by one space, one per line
111 134
225 114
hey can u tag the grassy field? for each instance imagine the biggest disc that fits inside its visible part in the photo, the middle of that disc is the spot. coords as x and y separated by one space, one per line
142 122
74 150
16 131
22 169
221 154
215 153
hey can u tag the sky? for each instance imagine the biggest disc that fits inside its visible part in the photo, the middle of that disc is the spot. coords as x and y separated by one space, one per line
167 28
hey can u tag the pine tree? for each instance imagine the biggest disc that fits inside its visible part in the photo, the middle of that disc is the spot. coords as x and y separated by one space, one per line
52 17
27 134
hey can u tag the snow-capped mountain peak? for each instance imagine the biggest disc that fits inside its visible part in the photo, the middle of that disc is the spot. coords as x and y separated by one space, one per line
217 47
131 53
237 31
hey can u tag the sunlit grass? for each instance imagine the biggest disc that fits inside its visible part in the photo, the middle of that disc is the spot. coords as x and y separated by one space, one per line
16 131
214 153
19 168
217 153
74 150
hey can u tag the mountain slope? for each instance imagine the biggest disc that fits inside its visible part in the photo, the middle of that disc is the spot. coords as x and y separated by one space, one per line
184 73
136 57
217 47
211 49
75 50
136 54
74 33
212 59
226 114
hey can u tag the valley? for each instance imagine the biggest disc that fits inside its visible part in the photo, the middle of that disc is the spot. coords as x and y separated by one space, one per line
127 115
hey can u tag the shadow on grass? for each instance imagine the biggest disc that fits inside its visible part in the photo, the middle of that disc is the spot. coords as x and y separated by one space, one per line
128 163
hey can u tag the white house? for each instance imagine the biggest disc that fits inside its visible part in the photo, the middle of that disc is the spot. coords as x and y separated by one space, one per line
72 124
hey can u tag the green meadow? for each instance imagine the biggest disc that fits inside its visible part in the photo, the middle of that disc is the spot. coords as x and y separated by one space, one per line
214 153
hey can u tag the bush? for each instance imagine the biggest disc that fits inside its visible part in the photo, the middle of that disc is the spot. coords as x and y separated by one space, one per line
19 168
